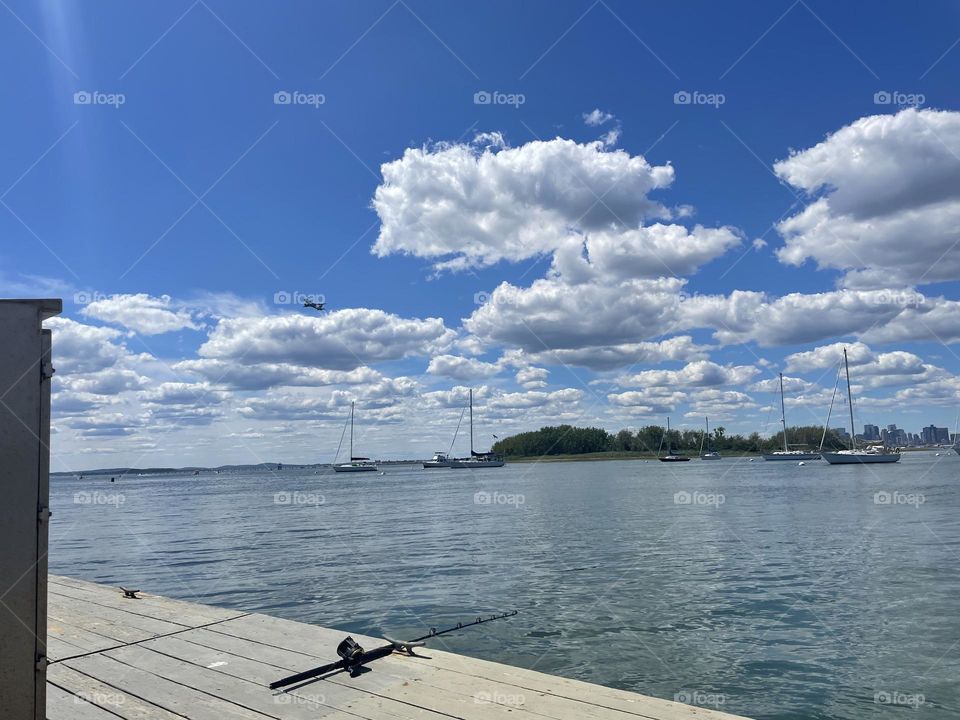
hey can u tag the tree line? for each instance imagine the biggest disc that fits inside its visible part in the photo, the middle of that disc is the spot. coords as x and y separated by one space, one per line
570 440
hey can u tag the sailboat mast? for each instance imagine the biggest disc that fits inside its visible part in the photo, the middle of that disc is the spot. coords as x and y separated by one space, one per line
471 422
783 415
351 431
853 442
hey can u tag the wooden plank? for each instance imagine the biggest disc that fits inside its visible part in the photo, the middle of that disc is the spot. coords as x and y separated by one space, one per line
529 681
117 700
58 649
70 607
62 705
479 682
155 606
315 701
172 696
261 673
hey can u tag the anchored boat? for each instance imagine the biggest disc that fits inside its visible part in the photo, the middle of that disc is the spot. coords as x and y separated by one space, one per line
476 459
871 454
709 454
356 464
670 457
787 453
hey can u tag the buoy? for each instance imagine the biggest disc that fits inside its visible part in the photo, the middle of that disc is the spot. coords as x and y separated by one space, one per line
801 463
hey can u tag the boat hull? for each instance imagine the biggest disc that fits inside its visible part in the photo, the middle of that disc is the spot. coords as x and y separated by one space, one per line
860 459
791 456
460 464
354 468
437 464
709 456
674 459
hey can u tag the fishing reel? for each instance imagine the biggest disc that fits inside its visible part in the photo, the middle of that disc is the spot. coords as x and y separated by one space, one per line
351 653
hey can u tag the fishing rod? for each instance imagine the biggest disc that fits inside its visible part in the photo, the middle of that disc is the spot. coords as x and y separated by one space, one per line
353 656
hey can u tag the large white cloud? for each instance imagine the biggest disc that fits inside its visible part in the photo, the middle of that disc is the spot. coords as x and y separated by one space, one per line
702 373
463 206
340 340
141 313
611 357
871 369
551 315
461 368
800 318
890 207
82 348
259 376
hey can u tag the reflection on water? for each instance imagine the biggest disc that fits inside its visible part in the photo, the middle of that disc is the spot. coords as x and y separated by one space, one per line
771 591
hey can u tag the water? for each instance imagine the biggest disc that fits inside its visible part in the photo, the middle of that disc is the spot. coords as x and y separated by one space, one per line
778 592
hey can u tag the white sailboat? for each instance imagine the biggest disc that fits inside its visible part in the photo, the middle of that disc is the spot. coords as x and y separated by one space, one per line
869 455
709 454
787 453
356 464
476 459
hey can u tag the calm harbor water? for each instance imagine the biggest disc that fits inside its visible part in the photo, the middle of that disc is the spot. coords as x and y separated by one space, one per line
770 590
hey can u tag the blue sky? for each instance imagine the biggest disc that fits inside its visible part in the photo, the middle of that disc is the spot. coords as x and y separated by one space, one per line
185 202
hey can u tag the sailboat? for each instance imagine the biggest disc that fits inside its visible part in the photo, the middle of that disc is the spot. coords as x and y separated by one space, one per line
787 453
356 464
443 459
956 436
871 453
476 459
709 454
670 457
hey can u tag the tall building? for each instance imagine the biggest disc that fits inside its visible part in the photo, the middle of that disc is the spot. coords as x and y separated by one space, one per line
871 432
933 435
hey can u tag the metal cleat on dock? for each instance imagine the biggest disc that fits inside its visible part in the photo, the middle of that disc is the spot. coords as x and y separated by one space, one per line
128 593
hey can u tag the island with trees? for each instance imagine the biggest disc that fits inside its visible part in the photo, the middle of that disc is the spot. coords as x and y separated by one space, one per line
566 441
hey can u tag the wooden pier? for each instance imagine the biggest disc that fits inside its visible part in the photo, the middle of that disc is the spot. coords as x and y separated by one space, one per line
154 658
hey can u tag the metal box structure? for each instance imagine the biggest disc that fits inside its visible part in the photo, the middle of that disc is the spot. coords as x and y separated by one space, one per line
25 371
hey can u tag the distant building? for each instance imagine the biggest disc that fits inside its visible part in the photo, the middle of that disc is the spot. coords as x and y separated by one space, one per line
842 432
893 436
933 435
871 432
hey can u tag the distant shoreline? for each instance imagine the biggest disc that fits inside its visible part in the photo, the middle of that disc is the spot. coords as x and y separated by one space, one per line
272 467
620 455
